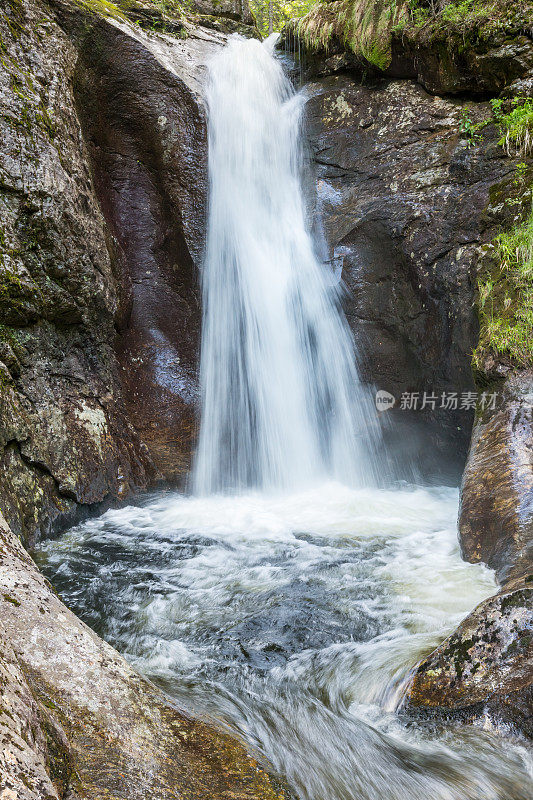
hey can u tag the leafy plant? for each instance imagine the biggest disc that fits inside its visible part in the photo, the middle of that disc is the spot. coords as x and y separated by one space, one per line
469 129
506 297
457 12
517 127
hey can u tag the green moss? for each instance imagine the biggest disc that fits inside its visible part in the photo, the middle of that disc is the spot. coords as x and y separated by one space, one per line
101 7
44 121
505 287
366 27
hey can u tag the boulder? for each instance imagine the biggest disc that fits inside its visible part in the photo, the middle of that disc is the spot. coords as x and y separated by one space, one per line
496 516
76 721
487 663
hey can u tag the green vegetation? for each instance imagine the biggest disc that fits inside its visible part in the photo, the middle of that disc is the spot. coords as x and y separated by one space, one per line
516 126
362 26
12 600
102 7
366 27
514 118
470 130
276 14
481 17
506 297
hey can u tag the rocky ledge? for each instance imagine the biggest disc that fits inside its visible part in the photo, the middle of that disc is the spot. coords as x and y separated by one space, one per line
76 721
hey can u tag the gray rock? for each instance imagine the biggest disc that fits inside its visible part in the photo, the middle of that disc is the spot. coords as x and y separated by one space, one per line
65 438
74 716
487 662
496 517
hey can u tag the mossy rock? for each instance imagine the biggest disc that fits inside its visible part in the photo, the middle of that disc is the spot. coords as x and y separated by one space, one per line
488 659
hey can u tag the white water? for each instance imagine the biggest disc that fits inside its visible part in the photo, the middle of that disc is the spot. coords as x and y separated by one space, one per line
282 405
295 620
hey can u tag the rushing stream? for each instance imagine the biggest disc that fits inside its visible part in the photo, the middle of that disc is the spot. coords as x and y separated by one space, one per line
292 607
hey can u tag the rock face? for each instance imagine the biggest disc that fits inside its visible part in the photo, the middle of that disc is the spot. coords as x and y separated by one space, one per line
147 141
487 661
496 518
65 437
35 759
103 190
451 60
77 721
403 192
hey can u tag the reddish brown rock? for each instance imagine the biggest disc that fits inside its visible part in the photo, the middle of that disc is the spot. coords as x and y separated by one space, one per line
496 517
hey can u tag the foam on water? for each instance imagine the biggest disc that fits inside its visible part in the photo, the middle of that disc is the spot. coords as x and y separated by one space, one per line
295 619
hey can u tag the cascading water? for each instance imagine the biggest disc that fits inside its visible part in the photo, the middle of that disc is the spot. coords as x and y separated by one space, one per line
292 617
281 401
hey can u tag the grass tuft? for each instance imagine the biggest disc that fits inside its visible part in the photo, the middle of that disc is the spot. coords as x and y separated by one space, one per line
506 298
362 26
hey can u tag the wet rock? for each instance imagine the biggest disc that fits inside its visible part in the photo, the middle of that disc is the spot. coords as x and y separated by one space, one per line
496 516
147 139
403 194
103 188
487 662
74 716
66 441
451 61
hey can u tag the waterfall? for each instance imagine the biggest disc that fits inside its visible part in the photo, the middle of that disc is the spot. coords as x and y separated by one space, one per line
282 405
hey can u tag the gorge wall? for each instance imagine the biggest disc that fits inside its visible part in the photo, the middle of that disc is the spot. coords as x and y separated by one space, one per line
103 190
